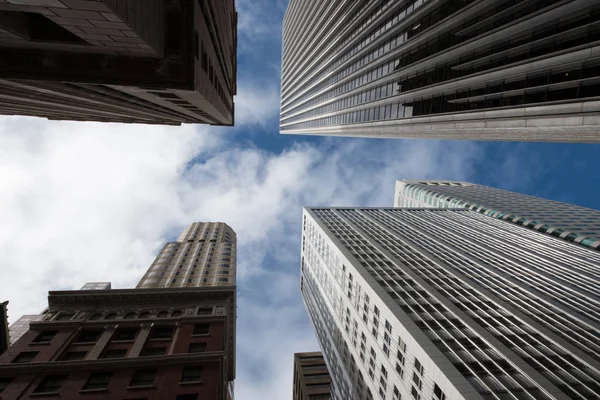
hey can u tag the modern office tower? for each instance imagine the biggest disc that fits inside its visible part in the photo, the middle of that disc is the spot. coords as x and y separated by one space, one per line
154 342
4 336
311 378
569 222
151 61
437 304
479 70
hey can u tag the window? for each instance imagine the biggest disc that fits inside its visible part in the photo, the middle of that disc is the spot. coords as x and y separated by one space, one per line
417 380
111 316
154 351
191 374
98 380
223 280
74 355
201 329
197 348
129 315
4 382
25 356
437 393
145 314
193 396
161 332
162 314
143 377
415 394
87 336
45 337
51 384
95 317
418 367
64 317
176 313
115 353
125 334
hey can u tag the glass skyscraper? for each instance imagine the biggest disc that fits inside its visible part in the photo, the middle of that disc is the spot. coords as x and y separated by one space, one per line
569 222
449 304
470 69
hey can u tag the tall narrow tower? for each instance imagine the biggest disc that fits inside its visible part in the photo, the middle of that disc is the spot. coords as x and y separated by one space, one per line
437 304
172 337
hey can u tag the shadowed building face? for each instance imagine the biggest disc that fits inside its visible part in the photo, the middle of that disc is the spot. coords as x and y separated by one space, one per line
151 61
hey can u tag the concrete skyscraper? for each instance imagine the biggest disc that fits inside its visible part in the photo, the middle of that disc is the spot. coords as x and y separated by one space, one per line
473 69
450 304
311 378
569 222
167 339
150 61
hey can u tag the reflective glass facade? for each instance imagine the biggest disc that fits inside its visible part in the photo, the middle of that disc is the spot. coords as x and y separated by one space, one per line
566 221
449 304
501 70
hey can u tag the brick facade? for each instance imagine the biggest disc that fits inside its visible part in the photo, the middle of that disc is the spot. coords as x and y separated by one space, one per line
109 312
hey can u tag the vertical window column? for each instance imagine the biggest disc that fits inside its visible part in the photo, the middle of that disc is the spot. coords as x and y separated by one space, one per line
140 341
101 343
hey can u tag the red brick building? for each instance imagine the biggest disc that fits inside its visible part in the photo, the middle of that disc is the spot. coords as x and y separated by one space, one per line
140 61
155 343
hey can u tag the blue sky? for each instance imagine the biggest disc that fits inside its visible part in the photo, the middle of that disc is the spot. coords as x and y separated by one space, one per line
83 201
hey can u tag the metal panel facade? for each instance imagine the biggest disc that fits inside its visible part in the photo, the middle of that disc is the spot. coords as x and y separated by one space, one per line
448 304
474 69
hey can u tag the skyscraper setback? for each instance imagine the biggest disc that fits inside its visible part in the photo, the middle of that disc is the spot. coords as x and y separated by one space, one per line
449 304
173 337
479 70
151 61
566 221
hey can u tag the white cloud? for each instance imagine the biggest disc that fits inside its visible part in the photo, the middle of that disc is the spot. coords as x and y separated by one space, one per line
82 202
256 104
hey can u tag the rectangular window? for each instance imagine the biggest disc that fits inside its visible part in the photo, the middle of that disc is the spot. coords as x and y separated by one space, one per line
45 336
192 374
125 334
64 317
88 336
98 380
143 377
4 382
115 353
25 357
154 351
74 355
438 394
162 332
51 384
197 347
201 329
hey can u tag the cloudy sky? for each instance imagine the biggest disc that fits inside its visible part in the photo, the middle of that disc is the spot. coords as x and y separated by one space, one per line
82 202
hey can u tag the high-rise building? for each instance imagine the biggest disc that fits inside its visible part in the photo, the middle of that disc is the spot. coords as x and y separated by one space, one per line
21 326
162 340
4 335
569 222
480 70
311 378
437 304
150 62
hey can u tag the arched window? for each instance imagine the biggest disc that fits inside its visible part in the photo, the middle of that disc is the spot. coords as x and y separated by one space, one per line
129 315
144 314
162 314
111 316
176 313
96 316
